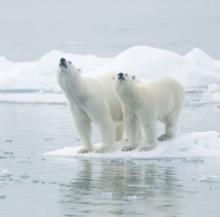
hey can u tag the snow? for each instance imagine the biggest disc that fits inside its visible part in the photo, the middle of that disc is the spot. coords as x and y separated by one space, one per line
192 70
191 145
147 62
212 94
195 69
41 74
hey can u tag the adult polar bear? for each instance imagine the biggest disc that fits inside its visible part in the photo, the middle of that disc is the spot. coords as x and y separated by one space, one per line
144 104
91 100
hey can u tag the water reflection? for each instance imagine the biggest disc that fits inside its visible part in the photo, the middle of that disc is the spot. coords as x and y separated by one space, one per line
112 188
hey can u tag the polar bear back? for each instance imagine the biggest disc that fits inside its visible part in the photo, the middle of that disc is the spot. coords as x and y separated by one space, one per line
168 94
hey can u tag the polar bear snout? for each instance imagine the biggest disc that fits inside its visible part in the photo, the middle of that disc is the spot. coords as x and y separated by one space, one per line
63 62
121 76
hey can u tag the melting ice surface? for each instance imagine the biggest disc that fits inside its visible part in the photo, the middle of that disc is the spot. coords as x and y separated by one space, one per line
41 173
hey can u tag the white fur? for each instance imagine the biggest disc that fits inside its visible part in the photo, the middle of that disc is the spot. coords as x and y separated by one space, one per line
92 100
144 104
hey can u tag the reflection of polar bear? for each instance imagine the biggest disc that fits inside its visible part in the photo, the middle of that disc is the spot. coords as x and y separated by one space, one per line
143 104
91 100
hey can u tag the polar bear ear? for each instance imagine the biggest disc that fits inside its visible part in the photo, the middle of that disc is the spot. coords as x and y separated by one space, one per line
79 71
133 77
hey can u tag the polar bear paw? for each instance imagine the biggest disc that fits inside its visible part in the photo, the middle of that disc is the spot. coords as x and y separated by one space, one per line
84 150
147 148
128 148
102 150
164 137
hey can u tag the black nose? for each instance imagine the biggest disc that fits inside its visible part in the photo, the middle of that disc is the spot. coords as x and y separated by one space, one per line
63 62
121 76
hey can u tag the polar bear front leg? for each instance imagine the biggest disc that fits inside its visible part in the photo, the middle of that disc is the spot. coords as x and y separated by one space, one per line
149 133
131 125
106 128
83 127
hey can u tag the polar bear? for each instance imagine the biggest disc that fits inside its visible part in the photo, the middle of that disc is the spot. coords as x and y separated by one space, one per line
91 100
144 104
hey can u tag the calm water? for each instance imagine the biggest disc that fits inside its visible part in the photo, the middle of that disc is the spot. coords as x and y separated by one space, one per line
38 186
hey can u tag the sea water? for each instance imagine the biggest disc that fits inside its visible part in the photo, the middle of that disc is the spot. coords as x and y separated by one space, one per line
32 184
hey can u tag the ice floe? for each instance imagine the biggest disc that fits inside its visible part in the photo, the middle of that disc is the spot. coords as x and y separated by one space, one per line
191 145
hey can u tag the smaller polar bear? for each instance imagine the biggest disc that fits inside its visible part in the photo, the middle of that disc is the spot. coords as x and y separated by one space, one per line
91 100
144 104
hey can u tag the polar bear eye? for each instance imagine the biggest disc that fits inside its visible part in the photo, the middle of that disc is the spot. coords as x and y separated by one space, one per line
70 62
126 74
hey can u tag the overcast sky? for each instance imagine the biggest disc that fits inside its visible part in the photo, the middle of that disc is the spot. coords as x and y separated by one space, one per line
31 28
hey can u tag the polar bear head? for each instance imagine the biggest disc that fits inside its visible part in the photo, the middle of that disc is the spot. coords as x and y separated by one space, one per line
124 79
67 75
67 68
123 84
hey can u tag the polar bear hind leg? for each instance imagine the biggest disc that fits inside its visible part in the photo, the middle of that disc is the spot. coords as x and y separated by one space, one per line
171 121
170 126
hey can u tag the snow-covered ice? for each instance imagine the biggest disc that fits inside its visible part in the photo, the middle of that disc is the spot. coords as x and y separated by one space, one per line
191 145
212 94
193 69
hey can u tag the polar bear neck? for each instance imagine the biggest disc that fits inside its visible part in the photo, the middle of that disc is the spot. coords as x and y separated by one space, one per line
71 84
127 94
